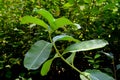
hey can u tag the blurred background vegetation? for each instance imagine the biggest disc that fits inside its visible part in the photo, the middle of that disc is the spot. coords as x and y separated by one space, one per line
98 19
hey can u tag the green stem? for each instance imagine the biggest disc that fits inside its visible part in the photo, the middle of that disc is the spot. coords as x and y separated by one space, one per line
72 66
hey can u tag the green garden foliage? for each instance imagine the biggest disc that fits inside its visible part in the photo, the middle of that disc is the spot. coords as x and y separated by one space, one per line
80 29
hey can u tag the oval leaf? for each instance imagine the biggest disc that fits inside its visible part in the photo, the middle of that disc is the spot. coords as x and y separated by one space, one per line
30 19
86 45
64 37
38 54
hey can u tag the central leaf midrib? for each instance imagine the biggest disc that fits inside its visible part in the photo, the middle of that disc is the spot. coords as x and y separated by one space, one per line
38 56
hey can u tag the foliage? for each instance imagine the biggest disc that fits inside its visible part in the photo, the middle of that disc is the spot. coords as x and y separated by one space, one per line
40 51
97 19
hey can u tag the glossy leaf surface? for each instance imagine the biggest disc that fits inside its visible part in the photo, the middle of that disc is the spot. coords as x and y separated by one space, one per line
86 45
38 54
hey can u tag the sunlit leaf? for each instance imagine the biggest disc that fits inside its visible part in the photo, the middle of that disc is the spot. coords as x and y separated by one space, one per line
67 5
61 22
64 37
86 45
46 15
34 20
38 54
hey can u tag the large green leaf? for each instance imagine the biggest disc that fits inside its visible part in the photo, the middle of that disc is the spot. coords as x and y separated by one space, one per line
30 19
96 75
47 15
86 45
38 54
64 37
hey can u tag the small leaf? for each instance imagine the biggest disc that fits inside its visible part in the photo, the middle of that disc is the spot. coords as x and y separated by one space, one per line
46 66
30 19
86 45
97 56
92 61
67 5
38 54
64 37
61 22
70 59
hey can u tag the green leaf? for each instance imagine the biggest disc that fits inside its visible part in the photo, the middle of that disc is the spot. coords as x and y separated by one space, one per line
38 54
100 1
67 5
87 1
46 15
64 37
61 22
92 61
97 56
86 45
46 66
30 19
82 77
98 75
70 59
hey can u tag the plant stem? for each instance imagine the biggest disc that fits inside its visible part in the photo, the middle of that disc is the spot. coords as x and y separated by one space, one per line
72 66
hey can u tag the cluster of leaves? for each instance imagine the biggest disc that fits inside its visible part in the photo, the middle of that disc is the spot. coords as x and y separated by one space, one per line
40 51
98 19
